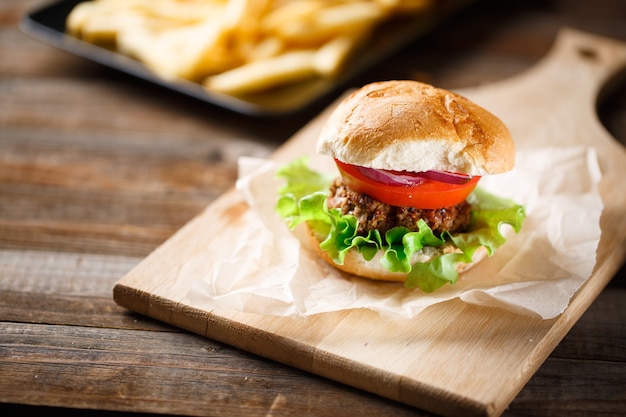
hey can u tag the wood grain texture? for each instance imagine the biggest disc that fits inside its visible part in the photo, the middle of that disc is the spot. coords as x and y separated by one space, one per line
69 328
97 169
493 353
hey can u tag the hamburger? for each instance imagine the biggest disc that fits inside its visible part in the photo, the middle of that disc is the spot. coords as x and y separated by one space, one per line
405 206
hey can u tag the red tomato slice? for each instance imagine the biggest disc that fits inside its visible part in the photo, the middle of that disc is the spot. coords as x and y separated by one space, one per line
426 193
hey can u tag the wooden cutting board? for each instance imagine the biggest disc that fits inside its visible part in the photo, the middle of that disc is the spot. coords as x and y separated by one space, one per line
454 358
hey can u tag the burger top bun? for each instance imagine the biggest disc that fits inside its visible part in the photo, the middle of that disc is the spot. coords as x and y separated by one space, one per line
412 126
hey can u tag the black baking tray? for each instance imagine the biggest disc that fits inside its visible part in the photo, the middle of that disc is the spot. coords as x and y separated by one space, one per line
48 25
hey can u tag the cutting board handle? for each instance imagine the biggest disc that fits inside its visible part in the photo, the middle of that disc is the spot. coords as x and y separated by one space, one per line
585 61
560 93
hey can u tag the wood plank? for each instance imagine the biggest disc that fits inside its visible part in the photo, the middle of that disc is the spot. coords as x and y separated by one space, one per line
594 378
493 353
57 288
161 372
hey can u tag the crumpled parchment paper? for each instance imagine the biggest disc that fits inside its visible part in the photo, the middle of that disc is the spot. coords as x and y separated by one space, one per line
536 272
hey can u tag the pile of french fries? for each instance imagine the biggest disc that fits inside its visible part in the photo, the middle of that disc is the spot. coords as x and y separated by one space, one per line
236 47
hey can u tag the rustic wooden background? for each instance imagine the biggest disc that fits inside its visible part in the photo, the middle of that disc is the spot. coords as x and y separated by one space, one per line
98 168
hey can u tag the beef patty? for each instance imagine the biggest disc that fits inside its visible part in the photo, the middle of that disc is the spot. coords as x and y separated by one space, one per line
373 214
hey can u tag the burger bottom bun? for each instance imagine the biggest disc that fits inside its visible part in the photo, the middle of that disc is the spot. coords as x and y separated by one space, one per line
355 264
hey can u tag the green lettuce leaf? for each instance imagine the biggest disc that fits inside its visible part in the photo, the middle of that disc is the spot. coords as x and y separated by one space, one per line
303 199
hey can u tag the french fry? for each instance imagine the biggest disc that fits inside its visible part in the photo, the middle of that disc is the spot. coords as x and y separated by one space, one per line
189 52
331 57
264 74
244 14
168 10
405 6
293 11
102 26
76 19
177 11
325 23
266 48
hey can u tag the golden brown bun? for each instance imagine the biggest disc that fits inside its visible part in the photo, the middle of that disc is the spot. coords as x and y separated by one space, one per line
355 264
412 126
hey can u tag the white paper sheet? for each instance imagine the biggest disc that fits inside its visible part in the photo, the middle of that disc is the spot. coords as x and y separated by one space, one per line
536 272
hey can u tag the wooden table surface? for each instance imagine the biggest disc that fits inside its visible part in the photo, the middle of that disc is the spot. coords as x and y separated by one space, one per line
97 169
